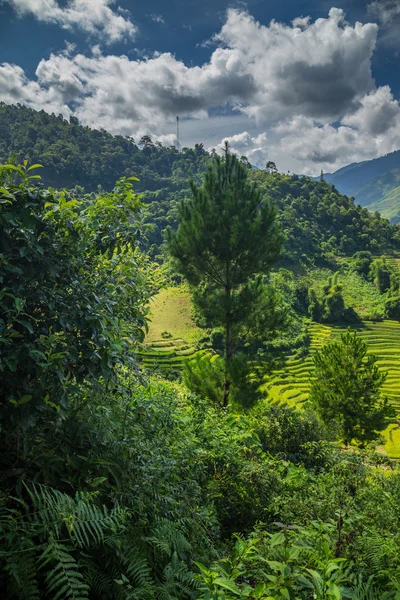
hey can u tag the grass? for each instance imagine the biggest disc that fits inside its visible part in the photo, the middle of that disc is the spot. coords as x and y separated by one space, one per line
171 312
172 334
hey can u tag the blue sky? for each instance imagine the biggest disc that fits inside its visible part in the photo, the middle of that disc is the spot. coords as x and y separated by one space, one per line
309 84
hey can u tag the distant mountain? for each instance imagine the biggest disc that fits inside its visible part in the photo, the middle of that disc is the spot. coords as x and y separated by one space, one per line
373 183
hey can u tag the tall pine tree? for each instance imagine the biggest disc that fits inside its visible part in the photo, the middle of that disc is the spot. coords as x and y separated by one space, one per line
227 239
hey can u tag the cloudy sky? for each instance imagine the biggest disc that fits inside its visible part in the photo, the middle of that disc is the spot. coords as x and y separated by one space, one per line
310 84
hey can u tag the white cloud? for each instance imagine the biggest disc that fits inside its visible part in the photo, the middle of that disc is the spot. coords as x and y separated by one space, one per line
308 84
95 17
318 69
373 130
168 139
243 144
157 18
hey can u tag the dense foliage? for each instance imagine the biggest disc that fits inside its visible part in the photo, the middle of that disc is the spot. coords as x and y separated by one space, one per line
318 221
117 484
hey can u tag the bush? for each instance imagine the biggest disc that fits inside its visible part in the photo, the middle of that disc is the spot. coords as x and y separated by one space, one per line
242 480
361 263
288 432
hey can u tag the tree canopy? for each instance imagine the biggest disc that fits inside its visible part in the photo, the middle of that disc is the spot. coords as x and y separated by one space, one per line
316 218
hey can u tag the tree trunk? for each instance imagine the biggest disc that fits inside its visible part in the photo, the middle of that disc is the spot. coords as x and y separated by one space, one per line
228 338
228 358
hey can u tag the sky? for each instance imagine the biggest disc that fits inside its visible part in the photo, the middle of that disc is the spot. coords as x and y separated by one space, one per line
309 84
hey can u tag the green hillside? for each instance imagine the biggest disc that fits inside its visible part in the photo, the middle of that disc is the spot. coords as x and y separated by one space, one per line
389 204
317 220
374 183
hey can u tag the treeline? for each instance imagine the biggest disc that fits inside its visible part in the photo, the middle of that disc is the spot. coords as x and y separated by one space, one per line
74 155
317 220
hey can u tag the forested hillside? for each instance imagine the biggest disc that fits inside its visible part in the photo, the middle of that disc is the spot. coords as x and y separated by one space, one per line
74 155
316 218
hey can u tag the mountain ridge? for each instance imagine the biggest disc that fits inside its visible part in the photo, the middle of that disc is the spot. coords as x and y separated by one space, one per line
373 183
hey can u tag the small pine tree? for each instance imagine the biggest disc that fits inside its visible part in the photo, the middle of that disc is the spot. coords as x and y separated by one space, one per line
347 390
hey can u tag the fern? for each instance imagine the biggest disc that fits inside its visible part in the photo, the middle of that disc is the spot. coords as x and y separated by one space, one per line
366 590
85 522
63 579
168 538
22 568
376 552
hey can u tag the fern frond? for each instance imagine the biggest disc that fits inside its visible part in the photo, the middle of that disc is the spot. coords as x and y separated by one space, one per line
63 579
85 522
168 538
22 568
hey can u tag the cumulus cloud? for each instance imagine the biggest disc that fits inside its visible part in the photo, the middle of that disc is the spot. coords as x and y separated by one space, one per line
168 139
95 17
373 130
318 69
309 82
384 10
243 144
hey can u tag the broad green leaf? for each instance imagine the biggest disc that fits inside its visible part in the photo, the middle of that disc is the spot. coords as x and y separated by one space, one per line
202 568
228 584
333 589
26 324
13 168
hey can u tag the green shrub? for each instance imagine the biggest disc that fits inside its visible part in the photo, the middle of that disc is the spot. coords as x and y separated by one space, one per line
361 263
290 433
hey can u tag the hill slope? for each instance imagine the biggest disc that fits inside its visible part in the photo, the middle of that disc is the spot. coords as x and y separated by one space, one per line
316 218
373 183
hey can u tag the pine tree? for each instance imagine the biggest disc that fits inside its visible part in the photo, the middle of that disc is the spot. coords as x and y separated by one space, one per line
347 389
227 237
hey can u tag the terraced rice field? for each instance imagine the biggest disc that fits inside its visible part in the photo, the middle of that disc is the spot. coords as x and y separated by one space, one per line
291 384
172 334
167 355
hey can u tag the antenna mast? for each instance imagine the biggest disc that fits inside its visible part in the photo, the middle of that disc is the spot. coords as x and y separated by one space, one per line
177 133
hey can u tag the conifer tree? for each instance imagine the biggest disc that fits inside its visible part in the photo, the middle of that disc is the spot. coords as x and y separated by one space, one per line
347 390
227 238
